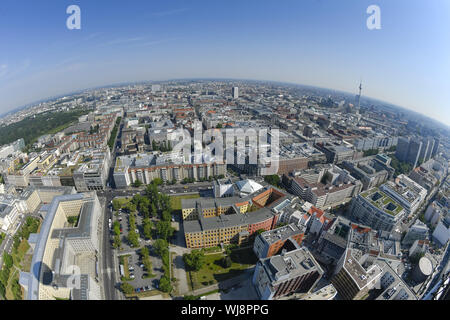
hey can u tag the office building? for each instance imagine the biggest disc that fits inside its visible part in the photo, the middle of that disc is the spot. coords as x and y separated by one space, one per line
371 171
332 186
290 272
418 231
63 249
235 92
377 210
212 222
272 242
409 194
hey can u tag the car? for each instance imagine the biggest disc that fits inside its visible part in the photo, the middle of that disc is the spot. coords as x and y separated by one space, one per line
131 276
136 230
141 265
131 268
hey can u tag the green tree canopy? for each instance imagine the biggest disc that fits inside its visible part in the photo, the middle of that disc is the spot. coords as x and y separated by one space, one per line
127 288
164 229
194 260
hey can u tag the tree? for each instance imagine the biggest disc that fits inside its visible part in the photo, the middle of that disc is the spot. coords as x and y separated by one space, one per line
130 207
133 238
16 243
143 203
273 180
153 211
127 288
117 242
148 226
194 260
166 216
2 290
137 183
116 204
164 229
370 152
226 262
4 276
164 284
161 246
157 181
7 260
116 228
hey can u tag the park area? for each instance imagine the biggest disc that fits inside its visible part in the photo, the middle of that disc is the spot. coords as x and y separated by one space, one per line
213 271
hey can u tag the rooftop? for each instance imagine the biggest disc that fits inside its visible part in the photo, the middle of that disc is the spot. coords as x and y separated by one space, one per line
382 201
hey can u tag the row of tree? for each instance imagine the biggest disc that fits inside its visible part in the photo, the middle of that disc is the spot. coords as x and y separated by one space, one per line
161 247
146 261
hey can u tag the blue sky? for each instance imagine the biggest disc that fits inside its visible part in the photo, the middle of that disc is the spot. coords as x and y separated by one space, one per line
315 42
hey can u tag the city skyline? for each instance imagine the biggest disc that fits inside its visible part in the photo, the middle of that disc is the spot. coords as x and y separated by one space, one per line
308 43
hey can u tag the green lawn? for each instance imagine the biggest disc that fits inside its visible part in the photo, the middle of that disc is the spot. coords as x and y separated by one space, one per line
175 201
17 265
213 272
124 260
13 277
17 257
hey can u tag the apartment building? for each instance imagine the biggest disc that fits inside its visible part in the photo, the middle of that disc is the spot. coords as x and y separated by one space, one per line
147 167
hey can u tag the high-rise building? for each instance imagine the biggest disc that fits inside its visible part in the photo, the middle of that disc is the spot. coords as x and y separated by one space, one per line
235 92
416 150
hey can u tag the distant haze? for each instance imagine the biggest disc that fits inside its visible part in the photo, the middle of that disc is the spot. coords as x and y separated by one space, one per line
321 43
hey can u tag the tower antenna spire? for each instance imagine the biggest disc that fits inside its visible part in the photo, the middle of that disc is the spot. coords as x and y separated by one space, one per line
359 96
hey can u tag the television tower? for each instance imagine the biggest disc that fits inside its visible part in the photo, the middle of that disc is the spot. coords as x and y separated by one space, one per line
359 96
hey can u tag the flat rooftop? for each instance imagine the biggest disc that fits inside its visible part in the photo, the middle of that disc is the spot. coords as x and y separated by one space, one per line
382 201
